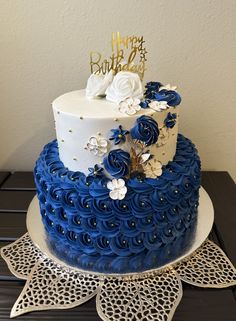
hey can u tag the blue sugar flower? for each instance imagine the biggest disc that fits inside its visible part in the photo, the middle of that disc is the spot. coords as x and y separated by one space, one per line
145 130
96 171
171 96
144 104
170 120
119 135
117 163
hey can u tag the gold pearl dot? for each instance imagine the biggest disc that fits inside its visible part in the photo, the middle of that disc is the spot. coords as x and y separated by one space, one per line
173 134
163 153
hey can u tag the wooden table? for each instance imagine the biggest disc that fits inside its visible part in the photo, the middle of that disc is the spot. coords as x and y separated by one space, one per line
18 189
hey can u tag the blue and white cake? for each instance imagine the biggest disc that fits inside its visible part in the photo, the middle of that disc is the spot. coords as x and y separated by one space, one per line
119 188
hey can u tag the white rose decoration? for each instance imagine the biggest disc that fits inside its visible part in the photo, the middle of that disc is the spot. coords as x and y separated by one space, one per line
97 84
125 84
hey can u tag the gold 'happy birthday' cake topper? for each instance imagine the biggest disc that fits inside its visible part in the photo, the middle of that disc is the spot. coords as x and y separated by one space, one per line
128 54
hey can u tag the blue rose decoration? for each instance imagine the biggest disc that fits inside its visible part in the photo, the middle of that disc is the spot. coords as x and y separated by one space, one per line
117 163
145 130
170 120
171 96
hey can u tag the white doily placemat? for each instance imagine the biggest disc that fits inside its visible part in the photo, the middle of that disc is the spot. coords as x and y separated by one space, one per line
153 296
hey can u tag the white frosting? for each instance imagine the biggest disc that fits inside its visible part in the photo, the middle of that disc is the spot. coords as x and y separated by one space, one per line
125 85
78 118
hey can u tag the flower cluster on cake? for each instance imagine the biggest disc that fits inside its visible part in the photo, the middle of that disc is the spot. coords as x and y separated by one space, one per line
119 188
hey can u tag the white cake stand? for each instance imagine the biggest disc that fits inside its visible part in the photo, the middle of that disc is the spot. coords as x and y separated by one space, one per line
204 225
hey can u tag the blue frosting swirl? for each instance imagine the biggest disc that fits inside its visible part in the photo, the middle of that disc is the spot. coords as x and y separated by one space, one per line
171 96
117 163
95 232
145 130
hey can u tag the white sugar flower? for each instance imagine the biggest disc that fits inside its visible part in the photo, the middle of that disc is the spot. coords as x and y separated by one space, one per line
124 85
129 106
97 145
153 168
98 83
168 87
158 105
117 189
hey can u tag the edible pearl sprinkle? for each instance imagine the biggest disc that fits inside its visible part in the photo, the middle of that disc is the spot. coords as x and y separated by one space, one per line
74 158
62 140
81 117
70 130
116 119
163 153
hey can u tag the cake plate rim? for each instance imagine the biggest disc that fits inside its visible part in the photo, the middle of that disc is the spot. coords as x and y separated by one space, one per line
203 227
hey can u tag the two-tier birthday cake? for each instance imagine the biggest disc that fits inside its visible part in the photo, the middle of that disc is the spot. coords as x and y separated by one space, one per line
119 188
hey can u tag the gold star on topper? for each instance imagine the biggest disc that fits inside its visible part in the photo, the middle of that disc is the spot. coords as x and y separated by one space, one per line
128 54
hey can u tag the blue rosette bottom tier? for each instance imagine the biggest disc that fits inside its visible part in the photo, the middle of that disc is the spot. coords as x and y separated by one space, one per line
150 227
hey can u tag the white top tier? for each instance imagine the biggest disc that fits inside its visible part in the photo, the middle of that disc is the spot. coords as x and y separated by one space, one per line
78 118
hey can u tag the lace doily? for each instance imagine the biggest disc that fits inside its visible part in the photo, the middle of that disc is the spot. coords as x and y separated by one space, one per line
153 296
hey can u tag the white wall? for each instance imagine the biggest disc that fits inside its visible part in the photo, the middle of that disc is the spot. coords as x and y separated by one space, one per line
44 52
